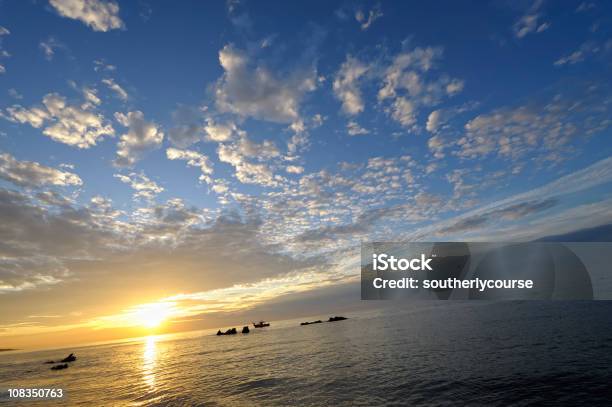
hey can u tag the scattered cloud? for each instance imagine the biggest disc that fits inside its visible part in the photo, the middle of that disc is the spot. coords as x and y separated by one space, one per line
3 54
409 82
531 21
354 129
434 121
437 145
249 89
100 15
294 169
91 96
119 91
585 50
142 137
219 132
246 172
547 128
194 159
366 21
346 85
50 46
262 151
188 128
139 182
101 66
77 126
33 174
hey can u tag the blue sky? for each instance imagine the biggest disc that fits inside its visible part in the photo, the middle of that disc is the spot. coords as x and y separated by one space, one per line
281 135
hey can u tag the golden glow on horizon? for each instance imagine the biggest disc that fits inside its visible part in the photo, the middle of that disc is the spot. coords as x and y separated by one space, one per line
153 317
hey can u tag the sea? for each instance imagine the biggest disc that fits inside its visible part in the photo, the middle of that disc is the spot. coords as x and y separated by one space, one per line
429 353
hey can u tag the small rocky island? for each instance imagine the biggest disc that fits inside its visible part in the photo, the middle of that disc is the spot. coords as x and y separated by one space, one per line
61 364
331 319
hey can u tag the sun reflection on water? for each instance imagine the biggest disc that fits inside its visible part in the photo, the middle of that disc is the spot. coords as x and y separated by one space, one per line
149 359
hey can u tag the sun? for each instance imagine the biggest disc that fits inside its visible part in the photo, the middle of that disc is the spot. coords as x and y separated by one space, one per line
152 315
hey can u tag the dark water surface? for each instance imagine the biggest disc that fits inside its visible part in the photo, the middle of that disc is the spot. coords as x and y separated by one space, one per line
426 353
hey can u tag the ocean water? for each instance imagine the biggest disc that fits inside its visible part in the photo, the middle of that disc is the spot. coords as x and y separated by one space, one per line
425 353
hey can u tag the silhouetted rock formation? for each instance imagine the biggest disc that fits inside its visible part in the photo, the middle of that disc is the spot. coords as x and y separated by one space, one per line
231 331
334 319
261 324
69 358
245 330
313 322
60 367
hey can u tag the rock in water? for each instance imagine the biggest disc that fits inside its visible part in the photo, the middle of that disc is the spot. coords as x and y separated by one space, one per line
69 358
60 367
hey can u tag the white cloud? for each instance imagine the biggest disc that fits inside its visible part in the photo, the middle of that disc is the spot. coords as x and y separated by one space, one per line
261 151
219 132
354 129
139 182
433 121
346 85
33 174
585 50
220 186
194 159
530 22
547 129
248 89
100 15
49 46
142 137
437 146
373 15
3 54
100 66
34 116
294 169
246 172
297 142
112 85
73 125
403 112
91 96
409 82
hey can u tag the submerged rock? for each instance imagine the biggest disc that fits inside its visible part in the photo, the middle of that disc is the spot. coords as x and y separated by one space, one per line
334 319
60 367
312 322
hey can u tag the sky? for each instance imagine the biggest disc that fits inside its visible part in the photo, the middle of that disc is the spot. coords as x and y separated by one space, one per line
170 165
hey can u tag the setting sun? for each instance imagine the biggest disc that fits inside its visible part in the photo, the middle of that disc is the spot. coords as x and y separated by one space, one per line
152 315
